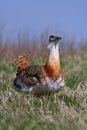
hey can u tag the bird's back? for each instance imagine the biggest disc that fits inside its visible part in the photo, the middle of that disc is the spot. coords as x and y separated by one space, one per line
31 75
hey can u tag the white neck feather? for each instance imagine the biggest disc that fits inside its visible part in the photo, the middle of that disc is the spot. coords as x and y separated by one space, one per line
53 52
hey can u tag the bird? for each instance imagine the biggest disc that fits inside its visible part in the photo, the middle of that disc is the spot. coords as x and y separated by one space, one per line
41 80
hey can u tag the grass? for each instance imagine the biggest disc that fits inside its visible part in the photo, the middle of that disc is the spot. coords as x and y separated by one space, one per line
66 110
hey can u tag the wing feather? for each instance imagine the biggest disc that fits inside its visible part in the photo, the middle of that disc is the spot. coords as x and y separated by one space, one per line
31 75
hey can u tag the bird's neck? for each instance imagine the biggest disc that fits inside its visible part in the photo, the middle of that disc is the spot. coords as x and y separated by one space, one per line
52 67
54 54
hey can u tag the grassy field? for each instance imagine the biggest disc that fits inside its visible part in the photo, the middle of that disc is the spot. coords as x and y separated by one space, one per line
66 110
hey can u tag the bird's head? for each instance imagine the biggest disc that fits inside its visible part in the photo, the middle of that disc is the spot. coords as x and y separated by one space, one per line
53 40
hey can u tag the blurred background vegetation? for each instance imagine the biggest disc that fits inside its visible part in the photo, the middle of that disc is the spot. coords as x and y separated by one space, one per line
37 46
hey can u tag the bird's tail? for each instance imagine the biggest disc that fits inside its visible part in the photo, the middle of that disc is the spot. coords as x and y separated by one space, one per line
22 63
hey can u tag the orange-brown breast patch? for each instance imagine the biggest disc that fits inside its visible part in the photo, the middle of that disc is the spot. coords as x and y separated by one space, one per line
52 69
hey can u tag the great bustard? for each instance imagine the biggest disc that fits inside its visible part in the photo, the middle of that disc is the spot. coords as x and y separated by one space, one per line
41 80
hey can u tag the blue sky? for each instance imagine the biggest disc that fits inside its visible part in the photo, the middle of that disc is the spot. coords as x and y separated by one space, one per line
66 17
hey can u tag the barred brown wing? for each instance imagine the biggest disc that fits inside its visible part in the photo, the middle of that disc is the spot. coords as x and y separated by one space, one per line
31 75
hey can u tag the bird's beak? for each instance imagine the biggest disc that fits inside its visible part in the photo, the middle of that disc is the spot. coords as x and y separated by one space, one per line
58 37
